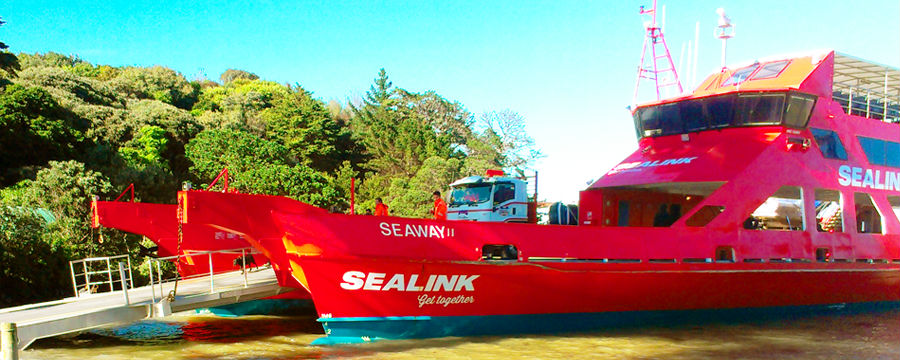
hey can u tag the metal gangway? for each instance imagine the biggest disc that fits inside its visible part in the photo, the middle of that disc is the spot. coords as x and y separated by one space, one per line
104 299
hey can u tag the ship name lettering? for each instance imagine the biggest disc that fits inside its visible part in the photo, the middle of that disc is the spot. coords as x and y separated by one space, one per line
868 178
356 280
644 164
416 230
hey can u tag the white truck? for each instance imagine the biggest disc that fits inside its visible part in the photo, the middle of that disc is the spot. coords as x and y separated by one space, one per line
493 197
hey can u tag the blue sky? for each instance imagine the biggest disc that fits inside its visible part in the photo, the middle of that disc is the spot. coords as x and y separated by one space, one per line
568 67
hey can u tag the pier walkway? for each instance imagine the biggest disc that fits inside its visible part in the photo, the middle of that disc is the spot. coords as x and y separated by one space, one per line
36 321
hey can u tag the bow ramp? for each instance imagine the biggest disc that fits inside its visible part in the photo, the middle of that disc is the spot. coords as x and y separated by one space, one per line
87 311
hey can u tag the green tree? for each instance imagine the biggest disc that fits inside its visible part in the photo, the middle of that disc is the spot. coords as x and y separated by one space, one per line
65 188
158 83
307 129
259 166
9 63
34 129
31 270
235 74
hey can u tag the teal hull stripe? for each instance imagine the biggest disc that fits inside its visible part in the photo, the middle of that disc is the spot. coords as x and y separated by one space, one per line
364 329
374 318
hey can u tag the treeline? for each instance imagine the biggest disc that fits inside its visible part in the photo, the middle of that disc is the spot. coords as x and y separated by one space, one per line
70 130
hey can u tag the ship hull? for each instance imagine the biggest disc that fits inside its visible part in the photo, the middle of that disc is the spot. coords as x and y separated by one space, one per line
513 297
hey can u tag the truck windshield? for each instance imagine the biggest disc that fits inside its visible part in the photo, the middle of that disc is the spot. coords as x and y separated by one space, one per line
717 112
470 194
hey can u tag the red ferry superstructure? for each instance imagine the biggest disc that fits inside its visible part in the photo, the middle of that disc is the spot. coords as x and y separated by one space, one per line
758 191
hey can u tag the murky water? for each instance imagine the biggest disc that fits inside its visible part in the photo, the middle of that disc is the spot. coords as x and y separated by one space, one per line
869 335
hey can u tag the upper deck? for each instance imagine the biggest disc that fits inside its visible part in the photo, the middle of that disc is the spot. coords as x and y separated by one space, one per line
776 91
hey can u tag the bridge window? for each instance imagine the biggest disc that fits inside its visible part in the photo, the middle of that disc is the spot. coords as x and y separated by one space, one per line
829 144
748 109
868 219
881 152
760 109
799 108
828 211
781 211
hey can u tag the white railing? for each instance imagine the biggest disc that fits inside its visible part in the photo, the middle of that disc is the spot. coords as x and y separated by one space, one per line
865 102
157 281
98 275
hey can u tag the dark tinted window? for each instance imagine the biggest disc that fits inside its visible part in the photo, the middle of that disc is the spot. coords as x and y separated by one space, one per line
750 109
763 109
770 70
695 118
720 109
799 108
829 144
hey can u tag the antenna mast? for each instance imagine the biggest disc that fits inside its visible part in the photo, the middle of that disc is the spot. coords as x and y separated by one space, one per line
722 31
658 67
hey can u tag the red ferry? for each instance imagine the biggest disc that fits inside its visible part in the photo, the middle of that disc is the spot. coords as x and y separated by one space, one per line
770 187
158 222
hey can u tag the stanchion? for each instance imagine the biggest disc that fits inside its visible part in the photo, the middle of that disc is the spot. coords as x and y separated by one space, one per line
124 282
9 342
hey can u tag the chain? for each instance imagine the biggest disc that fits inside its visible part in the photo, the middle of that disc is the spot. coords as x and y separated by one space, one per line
174 291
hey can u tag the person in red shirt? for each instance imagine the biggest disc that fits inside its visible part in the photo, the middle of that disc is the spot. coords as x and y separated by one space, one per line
380 208
440 207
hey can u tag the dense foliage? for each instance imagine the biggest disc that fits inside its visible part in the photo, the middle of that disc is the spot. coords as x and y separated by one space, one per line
71 130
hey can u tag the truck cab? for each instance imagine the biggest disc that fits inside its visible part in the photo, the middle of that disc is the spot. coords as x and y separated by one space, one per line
490 198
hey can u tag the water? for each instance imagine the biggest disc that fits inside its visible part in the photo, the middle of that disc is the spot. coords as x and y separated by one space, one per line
867 335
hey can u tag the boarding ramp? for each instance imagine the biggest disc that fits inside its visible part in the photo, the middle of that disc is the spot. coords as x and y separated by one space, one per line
96 307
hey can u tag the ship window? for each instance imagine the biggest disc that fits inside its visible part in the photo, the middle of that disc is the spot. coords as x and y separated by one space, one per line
694 116
740 75
828 211
721 110
761 109
504 192
770 70
704 215
880 152
829 144
781 211
799 108
895 205
868 219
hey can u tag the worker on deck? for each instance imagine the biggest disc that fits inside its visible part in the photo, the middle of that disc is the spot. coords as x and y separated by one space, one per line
440 207
380 208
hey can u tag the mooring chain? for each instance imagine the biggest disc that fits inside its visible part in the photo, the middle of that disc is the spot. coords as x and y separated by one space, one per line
174 291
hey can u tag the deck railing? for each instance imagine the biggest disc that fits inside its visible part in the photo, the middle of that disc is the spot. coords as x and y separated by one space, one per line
157 279
97 274
860 101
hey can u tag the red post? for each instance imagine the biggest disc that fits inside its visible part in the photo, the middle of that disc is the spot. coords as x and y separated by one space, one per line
352 196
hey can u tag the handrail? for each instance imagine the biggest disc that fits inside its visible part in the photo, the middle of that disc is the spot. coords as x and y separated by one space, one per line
158 281
224 172
109 279
130 187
